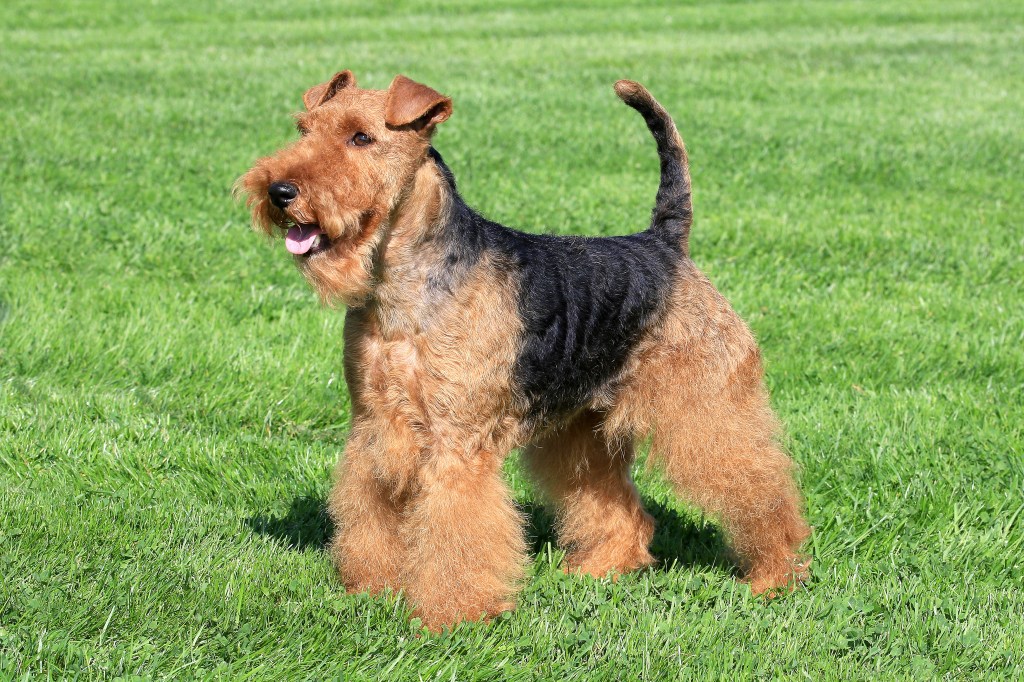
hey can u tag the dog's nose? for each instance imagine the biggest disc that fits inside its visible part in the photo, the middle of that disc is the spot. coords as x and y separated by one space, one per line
282 193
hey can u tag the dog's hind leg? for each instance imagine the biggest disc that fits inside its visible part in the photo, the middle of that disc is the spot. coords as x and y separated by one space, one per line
719 451
600 519
722 456
698 390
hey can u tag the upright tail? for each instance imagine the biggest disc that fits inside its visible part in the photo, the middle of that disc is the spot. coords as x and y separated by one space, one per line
673 208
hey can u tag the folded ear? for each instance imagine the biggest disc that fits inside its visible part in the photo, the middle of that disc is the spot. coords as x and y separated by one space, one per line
415 105
319 94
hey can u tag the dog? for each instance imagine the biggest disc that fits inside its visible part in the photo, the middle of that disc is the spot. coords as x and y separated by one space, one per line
465 339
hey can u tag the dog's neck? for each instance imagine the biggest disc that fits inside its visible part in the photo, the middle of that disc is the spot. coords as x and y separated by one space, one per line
421 259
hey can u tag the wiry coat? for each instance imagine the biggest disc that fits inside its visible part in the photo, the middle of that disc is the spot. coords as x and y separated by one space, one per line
465 339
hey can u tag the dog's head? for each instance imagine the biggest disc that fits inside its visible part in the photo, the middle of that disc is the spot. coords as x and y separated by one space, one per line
332 193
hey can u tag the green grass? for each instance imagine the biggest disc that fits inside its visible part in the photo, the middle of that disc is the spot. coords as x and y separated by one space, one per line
166 443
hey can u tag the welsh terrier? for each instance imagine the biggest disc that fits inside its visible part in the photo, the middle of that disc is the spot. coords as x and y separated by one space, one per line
465 339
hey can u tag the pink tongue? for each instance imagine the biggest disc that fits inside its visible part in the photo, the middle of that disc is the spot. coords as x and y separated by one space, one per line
300 239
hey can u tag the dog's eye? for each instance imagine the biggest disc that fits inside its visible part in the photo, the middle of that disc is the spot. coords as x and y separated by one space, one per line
361 140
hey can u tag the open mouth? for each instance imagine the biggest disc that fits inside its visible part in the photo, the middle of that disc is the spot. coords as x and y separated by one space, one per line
306 240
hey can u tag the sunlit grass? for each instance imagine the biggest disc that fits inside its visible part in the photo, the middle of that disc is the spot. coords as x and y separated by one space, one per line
166 438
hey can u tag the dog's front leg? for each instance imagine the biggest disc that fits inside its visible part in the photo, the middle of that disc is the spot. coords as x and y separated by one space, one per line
367 511
465 540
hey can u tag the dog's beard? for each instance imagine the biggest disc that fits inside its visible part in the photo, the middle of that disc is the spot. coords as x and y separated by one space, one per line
343 272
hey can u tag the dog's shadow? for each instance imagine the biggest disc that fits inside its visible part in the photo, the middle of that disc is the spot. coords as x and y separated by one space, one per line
305 526
678 541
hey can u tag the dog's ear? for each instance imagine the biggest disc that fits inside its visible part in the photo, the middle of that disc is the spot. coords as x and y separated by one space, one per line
416 106
319 94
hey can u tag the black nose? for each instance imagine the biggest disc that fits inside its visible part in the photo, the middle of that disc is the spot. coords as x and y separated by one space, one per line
282 193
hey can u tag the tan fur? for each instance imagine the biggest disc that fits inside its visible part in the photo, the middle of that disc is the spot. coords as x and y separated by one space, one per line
429 403
600 518
351 193
696 385
419 500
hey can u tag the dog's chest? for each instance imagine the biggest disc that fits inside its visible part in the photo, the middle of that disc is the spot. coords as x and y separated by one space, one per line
436 387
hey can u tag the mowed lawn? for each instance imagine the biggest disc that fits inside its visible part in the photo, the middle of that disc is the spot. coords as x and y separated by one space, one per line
171 393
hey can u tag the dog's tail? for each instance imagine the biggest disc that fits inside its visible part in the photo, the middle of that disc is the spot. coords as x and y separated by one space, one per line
673 208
